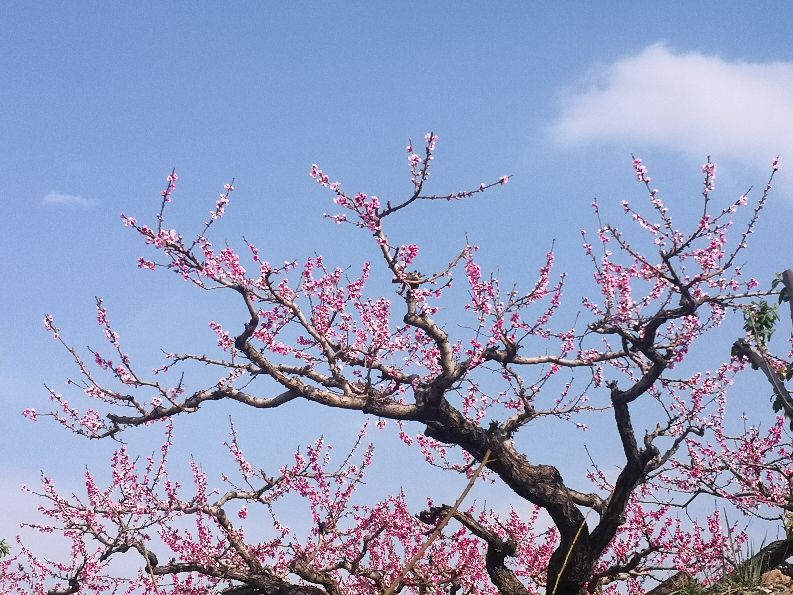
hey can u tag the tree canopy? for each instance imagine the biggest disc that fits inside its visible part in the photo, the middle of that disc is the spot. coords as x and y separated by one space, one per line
466 369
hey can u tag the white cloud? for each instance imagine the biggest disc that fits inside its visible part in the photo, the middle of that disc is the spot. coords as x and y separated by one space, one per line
67 200
690 102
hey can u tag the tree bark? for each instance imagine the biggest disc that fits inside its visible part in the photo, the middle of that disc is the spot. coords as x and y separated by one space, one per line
787 279
769 557
674 583
743 350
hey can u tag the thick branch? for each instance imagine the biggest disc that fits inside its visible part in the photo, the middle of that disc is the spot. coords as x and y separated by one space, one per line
192 403
498 549
509 357
636 463
743 350
641 386
539 484
254 584
787 279
74 587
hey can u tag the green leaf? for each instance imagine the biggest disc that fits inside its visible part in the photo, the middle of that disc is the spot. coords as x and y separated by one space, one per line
760 320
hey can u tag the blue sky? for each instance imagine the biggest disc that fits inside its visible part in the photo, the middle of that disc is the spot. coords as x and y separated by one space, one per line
98 102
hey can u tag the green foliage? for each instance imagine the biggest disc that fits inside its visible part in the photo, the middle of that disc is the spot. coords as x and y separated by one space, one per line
759 320
5 549
783 293
748 575
746 568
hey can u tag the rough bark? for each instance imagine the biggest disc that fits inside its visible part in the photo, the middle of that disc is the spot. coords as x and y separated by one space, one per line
787 279
674 583
743 350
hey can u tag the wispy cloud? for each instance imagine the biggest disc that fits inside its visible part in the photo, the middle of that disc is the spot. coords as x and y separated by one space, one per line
67 200
690 102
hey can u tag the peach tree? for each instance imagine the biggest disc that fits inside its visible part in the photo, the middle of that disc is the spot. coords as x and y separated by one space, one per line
466 387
